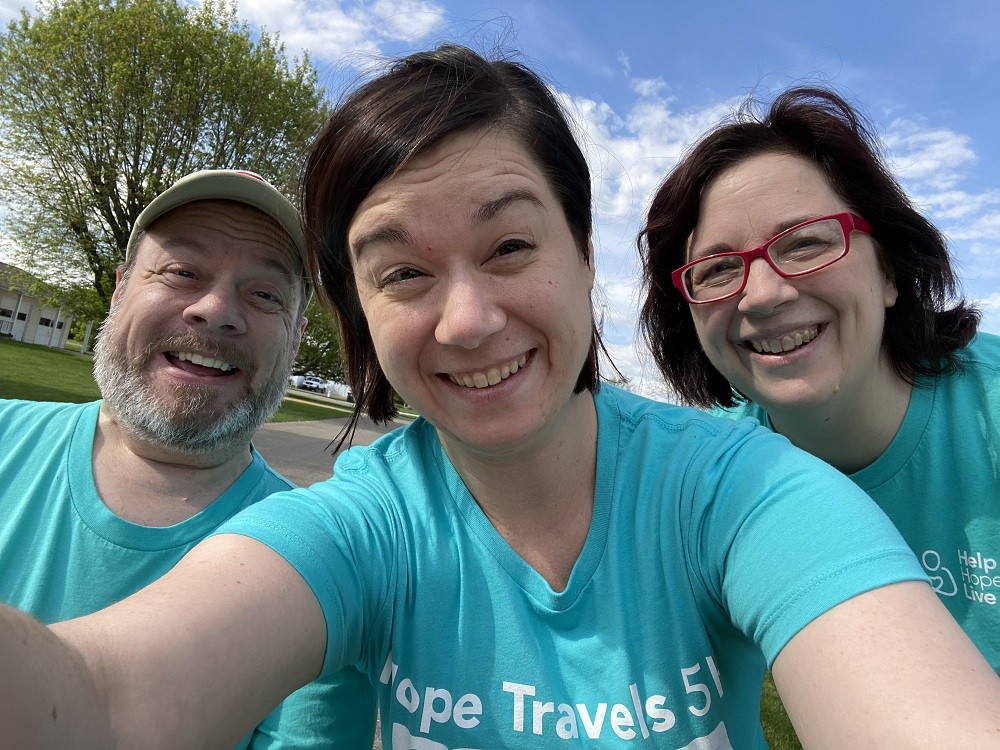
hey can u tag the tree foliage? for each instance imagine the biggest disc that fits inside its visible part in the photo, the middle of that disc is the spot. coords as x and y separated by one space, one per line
319 352
107 102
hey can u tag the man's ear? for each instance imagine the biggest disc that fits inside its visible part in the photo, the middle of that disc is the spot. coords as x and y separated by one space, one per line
119 283
297 336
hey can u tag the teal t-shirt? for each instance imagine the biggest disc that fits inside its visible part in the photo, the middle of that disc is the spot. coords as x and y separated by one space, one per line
939 482
711 544
63 554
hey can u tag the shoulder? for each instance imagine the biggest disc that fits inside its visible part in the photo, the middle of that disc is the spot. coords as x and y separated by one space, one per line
638 413
694 441
270 480
977 376
41 409
741 410
397 458
20 417
367 481
982 352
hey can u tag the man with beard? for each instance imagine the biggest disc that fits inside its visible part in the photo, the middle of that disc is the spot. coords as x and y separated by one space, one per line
99 499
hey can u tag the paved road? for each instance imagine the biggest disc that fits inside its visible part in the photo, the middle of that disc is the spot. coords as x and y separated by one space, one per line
301 450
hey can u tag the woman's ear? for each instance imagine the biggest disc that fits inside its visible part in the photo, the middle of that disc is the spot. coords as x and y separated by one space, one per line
590 262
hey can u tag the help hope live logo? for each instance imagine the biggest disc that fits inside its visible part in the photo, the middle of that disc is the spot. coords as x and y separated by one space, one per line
977 579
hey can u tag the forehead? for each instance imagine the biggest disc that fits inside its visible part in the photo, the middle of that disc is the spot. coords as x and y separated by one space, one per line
770 182
450 180
755 199
218 228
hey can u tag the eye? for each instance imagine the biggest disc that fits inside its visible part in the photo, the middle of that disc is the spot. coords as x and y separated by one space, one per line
808 244
715 271
179 274
397 276
513 245
267 296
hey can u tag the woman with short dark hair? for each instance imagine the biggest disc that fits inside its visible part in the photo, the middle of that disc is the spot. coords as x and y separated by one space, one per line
841 330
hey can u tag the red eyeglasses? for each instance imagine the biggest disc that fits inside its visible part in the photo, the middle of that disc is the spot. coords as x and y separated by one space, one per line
800 250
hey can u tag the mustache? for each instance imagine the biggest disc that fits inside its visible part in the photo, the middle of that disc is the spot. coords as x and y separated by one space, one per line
235 355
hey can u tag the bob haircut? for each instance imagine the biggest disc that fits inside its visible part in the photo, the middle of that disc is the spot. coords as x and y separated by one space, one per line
921 331
421 100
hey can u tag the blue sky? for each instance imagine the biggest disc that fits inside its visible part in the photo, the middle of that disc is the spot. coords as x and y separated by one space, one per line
644 79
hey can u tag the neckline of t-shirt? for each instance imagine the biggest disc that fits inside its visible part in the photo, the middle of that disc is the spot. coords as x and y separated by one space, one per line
520 572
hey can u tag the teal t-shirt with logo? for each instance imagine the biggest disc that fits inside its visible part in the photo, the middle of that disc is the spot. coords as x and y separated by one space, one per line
939 482
711 544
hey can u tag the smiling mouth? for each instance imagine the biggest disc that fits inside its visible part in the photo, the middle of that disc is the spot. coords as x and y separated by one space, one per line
202 361
490 377
786 343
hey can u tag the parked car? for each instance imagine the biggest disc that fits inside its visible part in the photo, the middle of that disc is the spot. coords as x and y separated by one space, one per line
312 383
295 381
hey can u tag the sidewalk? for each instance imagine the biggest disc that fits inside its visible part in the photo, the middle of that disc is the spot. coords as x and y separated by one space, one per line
301 451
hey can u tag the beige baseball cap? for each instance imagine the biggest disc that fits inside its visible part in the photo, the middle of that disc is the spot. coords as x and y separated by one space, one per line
237 185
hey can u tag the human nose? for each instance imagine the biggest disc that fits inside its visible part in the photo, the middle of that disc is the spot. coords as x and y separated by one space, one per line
469 316
765 288
217 308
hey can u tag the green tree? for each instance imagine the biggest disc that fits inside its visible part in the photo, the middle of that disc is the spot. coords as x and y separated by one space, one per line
107 102
319 351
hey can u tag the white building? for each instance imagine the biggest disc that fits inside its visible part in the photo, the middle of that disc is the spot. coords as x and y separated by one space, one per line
24 317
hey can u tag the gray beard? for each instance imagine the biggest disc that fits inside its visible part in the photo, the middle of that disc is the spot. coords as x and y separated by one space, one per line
187 422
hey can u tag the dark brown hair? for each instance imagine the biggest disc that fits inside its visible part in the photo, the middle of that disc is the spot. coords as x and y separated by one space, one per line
927 323
421 100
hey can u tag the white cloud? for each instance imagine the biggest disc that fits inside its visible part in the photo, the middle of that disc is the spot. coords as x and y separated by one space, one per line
992 302
935 159
10 9
629 155
933 164
335 31
648 87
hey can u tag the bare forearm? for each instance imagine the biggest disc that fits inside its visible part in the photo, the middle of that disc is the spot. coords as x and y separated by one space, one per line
889 669
47 695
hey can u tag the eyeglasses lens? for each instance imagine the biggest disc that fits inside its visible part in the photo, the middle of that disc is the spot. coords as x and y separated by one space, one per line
798 252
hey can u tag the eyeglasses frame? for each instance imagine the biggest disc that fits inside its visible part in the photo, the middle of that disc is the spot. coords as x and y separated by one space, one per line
848 220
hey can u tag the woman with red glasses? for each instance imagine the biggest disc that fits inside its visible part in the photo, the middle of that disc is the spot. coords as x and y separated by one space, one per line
789 279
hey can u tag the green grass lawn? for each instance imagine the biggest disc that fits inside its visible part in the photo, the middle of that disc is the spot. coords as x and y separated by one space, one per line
39 373
777 728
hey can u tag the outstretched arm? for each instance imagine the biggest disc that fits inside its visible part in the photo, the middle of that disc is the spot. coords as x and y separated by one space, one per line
195 659
889 668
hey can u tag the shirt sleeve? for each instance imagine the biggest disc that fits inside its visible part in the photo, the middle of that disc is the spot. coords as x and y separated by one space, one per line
342 537
781 537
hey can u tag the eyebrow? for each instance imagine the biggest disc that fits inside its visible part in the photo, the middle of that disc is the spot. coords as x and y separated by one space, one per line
269 256
395 234
391 234
491 209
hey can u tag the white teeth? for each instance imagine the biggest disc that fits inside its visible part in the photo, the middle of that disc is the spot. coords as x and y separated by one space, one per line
198 359
787 342
491 377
